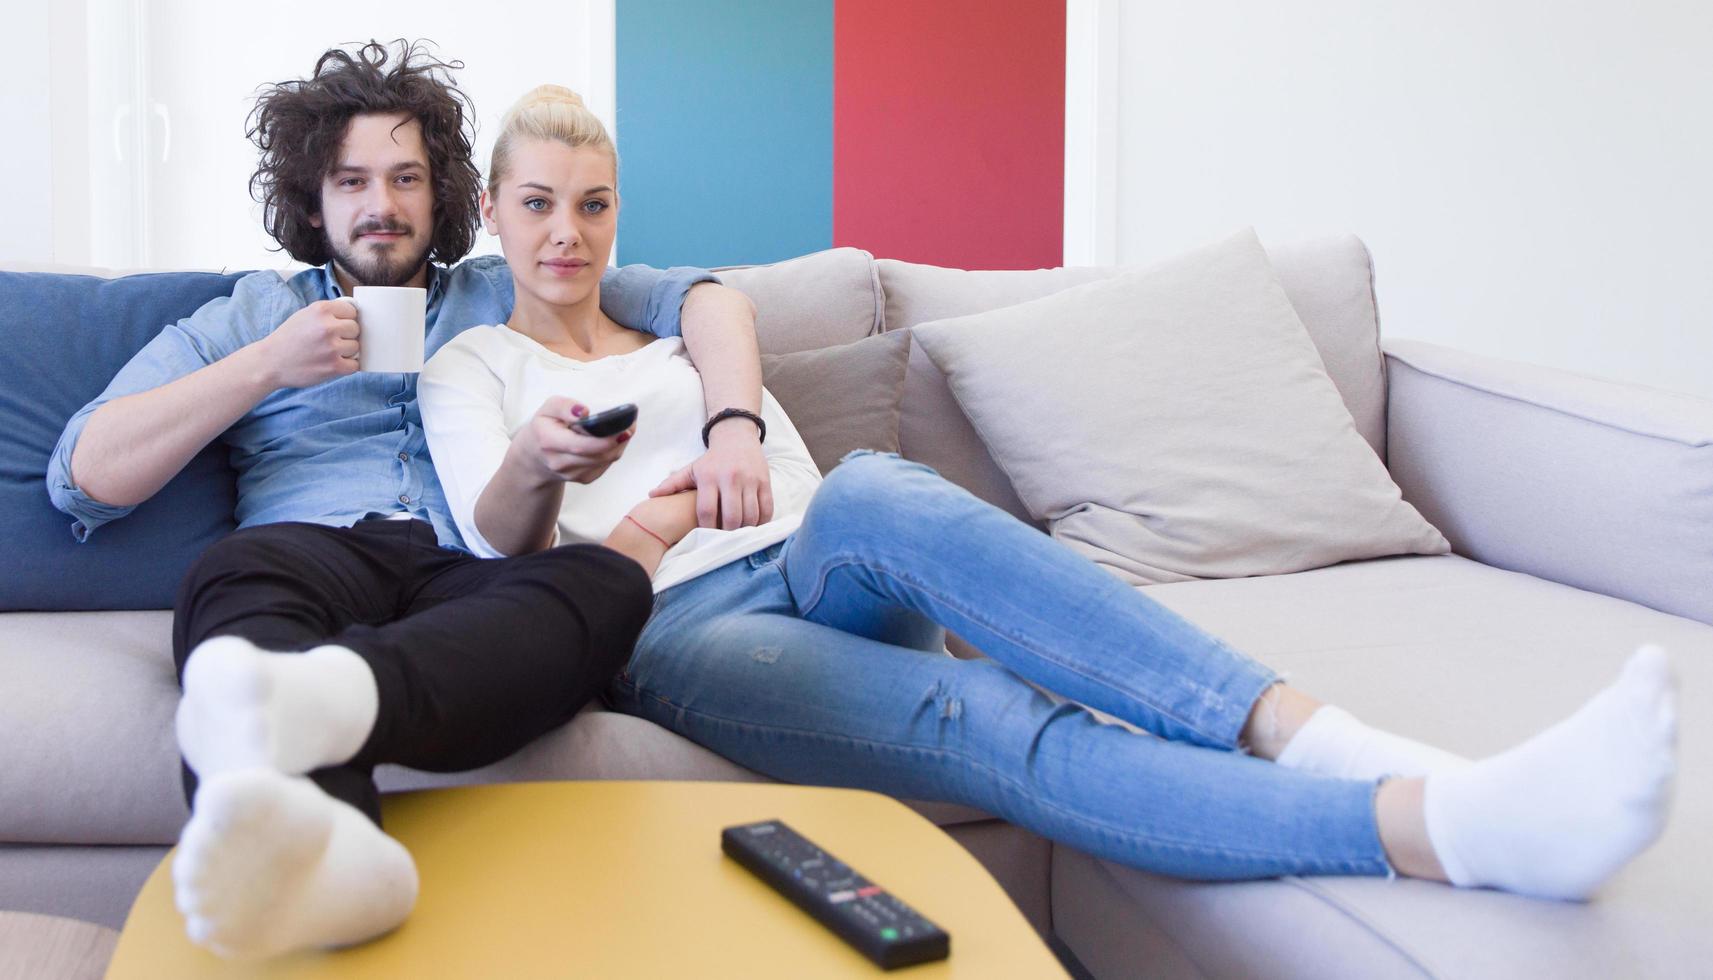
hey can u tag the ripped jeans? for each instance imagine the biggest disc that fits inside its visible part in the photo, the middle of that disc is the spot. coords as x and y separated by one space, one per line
820 660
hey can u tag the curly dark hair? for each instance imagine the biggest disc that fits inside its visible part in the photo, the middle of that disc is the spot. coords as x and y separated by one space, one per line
299 126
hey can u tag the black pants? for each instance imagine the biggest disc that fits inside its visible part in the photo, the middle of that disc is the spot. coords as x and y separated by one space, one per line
473 658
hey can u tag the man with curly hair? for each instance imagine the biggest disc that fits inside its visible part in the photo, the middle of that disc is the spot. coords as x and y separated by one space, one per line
346 592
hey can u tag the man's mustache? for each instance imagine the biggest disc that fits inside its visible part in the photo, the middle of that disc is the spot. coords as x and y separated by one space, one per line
384 228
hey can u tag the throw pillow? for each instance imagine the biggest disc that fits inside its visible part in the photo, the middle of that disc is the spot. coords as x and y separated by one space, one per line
1329 281
842 398
1177 423
62 338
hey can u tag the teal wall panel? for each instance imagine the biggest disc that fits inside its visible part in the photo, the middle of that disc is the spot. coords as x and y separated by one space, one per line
725 130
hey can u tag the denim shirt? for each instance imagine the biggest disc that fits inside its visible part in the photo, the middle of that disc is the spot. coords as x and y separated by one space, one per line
353 447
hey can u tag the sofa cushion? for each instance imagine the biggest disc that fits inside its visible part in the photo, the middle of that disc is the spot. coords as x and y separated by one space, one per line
1177 422
86 737
1329 282
815 300
62 338
1467 657
842 398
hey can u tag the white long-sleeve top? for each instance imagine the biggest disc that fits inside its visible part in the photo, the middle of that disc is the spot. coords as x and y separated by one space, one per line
489 381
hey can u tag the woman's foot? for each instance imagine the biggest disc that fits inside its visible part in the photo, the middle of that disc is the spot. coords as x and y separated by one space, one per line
1558 815
269 864
245 707
1333 742
1298 732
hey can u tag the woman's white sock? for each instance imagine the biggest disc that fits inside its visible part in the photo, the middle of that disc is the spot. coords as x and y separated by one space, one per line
1333 742
269 864
1558 815
245 707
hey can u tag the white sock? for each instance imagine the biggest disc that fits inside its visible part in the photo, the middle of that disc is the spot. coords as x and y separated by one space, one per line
1558 815
1334 743
245 707
269 864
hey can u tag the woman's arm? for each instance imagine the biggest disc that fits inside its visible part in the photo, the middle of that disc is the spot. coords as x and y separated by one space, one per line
653 527
518 510
504 489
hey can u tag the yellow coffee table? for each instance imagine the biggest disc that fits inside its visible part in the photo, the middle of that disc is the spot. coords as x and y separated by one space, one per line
626 879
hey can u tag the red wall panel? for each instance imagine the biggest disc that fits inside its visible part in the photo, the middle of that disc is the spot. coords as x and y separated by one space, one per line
949 130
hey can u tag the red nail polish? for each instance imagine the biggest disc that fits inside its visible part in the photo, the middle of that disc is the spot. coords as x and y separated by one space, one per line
579 411
624 437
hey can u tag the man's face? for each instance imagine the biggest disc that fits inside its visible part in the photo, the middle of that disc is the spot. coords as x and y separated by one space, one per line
377 203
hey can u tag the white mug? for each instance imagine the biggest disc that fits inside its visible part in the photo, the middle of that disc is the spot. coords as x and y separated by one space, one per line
391 321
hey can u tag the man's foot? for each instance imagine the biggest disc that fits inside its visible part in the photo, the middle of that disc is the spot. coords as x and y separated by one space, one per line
269 864
1558 815
244 707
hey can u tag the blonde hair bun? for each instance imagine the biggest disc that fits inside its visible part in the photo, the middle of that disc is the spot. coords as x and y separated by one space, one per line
547 95
548 112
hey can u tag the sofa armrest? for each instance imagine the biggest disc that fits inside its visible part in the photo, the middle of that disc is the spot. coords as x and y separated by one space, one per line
1595 484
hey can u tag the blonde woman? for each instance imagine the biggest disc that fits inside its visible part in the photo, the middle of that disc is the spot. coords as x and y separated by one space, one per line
809 647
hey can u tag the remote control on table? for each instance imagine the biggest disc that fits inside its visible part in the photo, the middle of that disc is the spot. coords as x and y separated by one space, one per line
862 913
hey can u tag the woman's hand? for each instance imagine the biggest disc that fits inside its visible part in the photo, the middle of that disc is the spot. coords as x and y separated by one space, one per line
653 527
549 450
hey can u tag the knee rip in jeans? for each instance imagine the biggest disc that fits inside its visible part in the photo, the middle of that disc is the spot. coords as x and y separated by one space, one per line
765 655
950 708
855 453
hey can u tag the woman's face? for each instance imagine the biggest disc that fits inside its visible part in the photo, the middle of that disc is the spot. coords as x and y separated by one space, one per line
556 213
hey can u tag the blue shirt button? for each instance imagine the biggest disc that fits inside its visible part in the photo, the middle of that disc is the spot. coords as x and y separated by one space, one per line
403 499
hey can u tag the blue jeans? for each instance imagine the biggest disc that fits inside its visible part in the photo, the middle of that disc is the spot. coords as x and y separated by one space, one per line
819 660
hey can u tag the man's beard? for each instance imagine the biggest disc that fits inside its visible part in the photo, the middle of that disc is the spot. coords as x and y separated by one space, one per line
369 266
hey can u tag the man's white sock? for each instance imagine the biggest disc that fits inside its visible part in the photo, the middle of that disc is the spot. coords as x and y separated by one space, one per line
269 864
1333 742
1558 815
245 707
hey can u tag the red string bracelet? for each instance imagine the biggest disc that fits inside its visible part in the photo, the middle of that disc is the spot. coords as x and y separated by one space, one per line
648 532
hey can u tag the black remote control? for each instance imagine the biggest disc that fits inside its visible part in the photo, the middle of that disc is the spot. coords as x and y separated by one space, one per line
863 914
608 423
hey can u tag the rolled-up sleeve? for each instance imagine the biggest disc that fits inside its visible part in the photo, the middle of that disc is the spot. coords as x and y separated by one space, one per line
86 512
220 327
645 298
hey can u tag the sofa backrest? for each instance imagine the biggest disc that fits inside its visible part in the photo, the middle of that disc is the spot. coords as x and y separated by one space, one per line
823 299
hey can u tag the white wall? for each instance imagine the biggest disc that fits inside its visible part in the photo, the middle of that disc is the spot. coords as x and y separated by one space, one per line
26 166
1535 179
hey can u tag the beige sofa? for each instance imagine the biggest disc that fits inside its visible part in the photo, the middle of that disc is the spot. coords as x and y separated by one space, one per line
1580 512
